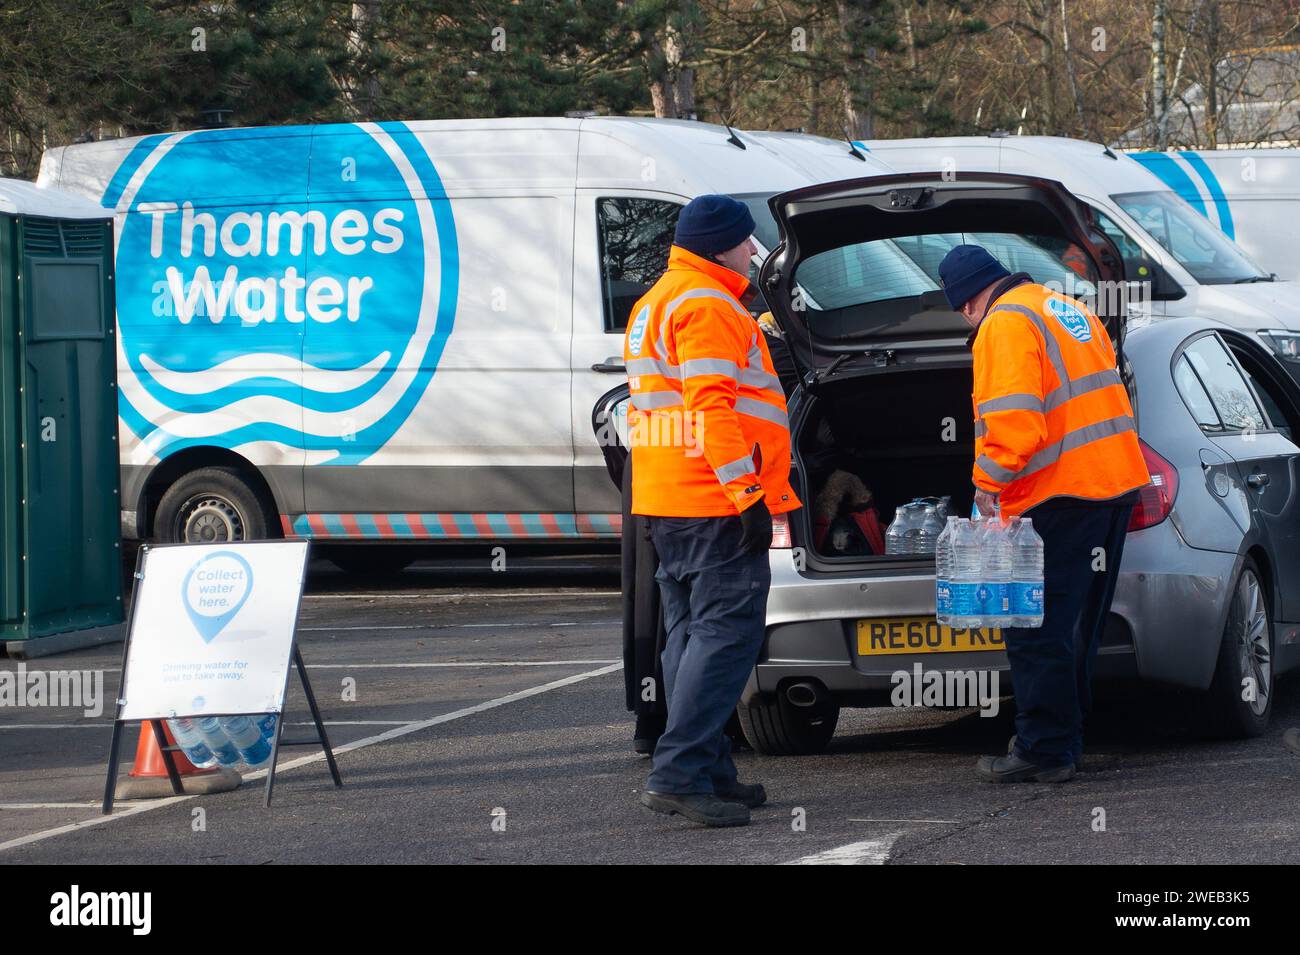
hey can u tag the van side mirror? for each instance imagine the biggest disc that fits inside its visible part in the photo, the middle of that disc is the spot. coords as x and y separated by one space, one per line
1163 286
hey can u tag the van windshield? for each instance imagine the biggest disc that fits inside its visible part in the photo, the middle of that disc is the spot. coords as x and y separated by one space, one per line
1209 255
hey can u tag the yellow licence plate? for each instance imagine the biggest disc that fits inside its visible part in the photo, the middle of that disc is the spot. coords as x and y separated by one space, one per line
883 636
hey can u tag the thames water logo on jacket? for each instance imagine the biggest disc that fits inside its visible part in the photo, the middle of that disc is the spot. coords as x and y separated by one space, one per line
1071 319
636 335
290 289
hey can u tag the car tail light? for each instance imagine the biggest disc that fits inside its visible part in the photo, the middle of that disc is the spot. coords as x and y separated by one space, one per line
1156 500
781 532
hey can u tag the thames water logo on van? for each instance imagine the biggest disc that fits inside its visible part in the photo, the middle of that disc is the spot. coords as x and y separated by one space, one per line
287 289
1071 319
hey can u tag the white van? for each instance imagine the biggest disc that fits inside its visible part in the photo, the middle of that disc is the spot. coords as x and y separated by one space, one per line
1253 195
1194 268
396 330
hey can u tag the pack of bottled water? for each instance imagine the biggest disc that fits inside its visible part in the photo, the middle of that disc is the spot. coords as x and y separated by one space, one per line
210 741
916 526
989 573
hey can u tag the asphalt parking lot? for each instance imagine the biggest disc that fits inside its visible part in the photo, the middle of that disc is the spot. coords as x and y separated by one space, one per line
483 698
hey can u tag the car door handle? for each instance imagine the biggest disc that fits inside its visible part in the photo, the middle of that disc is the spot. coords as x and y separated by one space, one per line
1257 480
613 365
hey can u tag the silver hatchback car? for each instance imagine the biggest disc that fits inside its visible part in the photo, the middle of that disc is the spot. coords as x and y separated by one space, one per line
882 414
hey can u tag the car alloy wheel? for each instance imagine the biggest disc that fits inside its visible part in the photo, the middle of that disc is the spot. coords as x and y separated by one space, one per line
1248 623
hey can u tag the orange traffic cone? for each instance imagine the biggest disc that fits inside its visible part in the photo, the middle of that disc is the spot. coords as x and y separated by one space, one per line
148 777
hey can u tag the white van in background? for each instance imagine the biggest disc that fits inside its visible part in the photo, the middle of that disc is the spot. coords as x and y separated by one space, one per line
1253 195
1195 269
394 331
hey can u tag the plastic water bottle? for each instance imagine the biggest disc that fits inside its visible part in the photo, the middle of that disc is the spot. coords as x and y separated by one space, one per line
267 723
191 742
897 540
943 574
1026 575
222 748
932 525
995 583
247 737
965 578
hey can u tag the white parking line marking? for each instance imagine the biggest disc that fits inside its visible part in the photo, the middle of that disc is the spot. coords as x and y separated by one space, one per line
456 626
58 805
868 852
934 822
471 665
467 664
394 733
458 596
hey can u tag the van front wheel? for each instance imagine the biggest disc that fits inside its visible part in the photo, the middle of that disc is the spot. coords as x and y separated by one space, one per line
776 727
212 506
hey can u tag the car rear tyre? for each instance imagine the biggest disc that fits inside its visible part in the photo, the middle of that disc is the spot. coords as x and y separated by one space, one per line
212 506
776 727
1242 689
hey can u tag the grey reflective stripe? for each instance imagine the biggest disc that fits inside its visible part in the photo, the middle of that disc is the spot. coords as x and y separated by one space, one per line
651 366
761 409
1081 386
660 349
756 376
994 470
1049 340
981 428
648 400
709 366
1021 402
1067 389
736 469
1051 453
1077 439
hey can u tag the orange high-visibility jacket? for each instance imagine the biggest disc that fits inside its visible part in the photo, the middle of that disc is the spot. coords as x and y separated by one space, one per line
1052 418
707 423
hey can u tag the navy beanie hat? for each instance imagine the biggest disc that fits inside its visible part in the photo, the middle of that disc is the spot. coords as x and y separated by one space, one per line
966 271
712 224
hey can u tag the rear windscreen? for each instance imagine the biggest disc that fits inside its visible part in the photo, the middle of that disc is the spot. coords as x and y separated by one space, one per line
885 269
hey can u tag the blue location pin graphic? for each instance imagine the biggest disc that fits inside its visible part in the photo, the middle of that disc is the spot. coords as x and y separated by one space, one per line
221 585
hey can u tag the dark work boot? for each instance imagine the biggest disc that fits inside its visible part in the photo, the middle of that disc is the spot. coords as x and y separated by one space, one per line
752 796
704 808
1015 769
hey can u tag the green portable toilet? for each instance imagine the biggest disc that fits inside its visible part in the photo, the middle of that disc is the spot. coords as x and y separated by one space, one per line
60 557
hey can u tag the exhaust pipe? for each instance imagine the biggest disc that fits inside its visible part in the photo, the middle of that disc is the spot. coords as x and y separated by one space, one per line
805 693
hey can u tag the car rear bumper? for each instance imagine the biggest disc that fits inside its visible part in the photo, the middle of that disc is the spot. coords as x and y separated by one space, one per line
1173 599
1165 622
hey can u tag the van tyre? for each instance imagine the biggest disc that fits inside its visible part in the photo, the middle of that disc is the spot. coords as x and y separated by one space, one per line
776 727
1245 660
210 506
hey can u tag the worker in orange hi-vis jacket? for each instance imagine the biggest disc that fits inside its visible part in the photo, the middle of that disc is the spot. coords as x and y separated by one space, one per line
710 444
1055 441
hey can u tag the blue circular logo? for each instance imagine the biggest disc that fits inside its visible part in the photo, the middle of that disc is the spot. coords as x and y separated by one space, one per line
1071 318
292 286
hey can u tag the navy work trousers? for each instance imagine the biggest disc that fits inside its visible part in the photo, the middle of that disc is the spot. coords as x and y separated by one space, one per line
715 607
1051 666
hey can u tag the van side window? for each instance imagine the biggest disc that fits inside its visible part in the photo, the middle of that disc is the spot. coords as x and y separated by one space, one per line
1231 395
635 235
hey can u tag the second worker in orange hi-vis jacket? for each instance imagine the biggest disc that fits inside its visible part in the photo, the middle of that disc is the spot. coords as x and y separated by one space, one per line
1055 443
710 446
